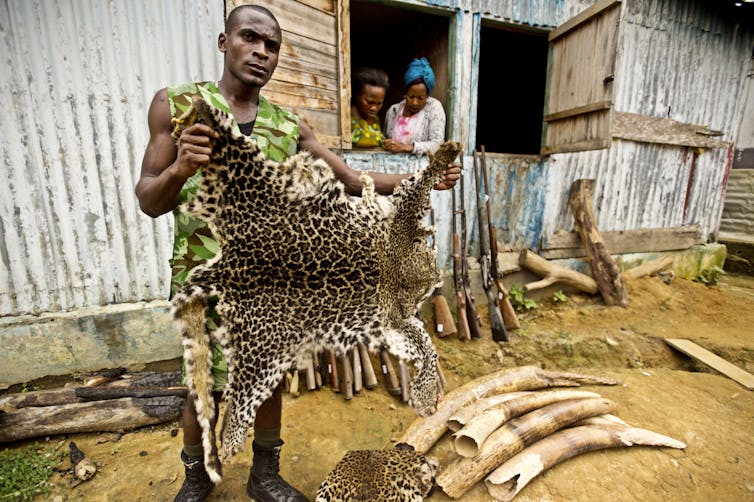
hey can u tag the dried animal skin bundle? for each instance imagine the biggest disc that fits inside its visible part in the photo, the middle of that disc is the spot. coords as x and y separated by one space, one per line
301 267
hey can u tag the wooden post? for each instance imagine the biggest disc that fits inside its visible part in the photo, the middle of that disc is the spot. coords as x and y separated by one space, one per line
605 270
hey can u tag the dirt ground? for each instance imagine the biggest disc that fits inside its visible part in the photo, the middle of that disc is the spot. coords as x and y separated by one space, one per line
661 390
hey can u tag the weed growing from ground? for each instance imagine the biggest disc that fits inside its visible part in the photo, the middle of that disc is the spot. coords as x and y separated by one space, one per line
24 472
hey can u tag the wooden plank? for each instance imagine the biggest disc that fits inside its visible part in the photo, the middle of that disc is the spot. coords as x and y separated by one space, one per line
323 5
579 110
580 75
344 63
579 146
646 240
581 18
713 361
646 129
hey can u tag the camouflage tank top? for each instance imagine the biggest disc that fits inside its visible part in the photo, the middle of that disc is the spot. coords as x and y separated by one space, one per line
276 131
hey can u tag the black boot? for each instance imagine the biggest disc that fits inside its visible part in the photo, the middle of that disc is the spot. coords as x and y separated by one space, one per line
265 484
197 485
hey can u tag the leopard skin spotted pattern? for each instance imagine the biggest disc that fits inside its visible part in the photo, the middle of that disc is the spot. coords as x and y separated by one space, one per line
302 266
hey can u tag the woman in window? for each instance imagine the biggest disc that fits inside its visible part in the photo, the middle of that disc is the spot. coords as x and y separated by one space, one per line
417 123
369 88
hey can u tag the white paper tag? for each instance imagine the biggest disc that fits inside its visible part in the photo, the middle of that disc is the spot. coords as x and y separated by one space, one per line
439 328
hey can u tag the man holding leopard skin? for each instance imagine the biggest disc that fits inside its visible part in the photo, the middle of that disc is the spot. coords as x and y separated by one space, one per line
169 176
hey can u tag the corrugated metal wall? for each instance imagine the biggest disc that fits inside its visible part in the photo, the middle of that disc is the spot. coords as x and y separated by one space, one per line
79 77
680 60
84 73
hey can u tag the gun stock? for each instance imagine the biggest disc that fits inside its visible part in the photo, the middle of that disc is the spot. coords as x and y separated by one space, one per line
510 319
463 323
497 326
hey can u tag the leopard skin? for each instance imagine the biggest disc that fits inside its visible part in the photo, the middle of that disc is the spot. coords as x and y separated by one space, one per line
302 266
397 475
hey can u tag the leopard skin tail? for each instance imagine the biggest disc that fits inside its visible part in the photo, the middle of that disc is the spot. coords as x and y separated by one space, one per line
189 309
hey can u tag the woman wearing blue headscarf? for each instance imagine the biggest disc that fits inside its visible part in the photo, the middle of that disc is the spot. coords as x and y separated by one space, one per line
417 123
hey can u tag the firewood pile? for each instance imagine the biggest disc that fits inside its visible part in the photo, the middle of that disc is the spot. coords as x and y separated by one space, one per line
107 401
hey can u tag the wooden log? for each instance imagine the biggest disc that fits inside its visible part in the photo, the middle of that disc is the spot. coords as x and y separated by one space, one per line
553 273
113 415
370 379
651 267
507 480
424 432
605 270
513 437
472 436
68 395
151 379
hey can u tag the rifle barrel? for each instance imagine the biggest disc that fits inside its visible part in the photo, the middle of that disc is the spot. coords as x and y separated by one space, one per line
510 319
497 325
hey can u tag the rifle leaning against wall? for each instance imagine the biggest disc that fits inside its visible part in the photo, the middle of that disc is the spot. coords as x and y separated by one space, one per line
510 319
472 317
497 326
464 332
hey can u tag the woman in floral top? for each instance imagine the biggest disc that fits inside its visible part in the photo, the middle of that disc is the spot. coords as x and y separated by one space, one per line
417 123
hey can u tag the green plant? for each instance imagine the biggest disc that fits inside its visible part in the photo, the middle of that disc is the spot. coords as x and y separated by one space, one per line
559 296
24 472
710 276
521 303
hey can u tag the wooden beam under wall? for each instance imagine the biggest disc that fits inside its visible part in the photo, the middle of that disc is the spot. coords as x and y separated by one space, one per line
646 129
647 240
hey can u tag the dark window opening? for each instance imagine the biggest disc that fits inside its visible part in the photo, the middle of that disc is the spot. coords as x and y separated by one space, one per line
511 97
390 38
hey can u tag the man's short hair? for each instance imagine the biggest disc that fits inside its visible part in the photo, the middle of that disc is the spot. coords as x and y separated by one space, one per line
232 19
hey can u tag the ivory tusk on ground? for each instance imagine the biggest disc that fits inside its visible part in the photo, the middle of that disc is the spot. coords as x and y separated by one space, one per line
512 476
424 432
470 438
464 415
513 437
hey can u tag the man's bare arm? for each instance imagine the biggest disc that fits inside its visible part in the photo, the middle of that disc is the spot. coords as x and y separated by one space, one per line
166 166
384 183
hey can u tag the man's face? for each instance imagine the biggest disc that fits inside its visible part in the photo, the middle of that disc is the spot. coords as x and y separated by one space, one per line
251 48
